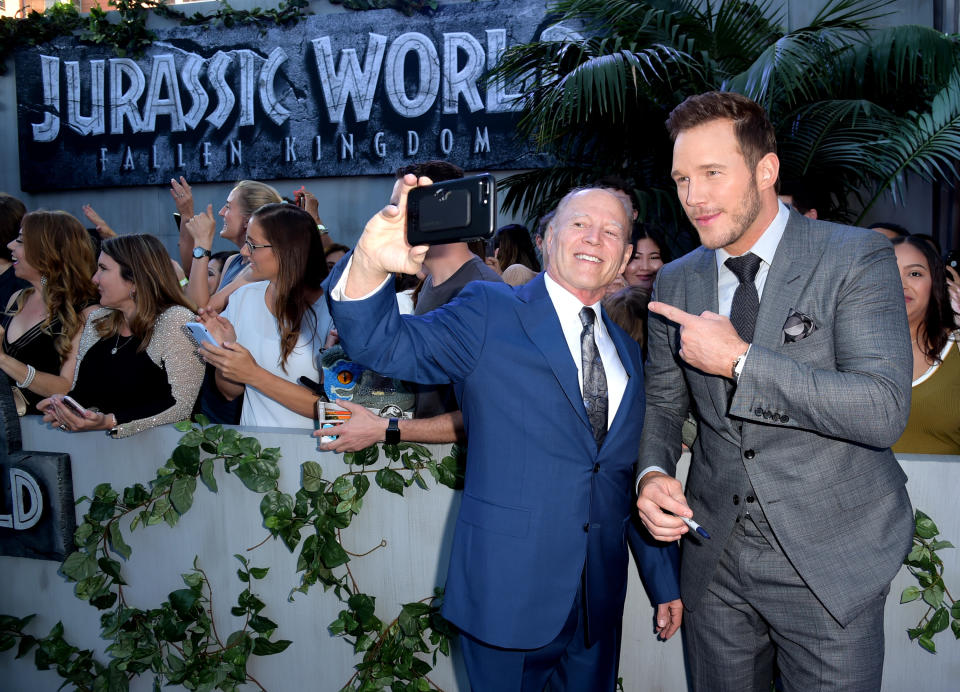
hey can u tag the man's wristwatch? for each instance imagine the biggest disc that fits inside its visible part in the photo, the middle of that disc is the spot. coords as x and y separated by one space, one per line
200 252
393 432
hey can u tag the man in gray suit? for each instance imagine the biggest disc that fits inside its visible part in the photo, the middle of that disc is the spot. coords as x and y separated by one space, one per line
788 339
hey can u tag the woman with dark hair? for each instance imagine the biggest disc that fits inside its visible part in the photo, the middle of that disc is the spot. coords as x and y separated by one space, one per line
11 212
934 424
273 331
41 329
512 245
650 252
137 366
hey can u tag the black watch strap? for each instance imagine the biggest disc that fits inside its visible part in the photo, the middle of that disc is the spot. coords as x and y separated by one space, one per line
393 432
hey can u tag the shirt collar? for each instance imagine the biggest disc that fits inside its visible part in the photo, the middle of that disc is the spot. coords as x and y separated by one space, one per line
564 302
766 246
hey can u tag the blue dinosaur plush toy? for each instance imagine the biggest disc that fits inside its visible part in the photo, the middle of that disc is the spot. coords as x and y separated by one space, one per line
344 379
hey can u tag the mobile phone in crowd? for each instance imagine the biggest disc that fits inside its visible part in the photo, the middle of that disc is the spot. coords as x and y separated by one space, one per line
201 334
952 260
176 219
452 211
74 406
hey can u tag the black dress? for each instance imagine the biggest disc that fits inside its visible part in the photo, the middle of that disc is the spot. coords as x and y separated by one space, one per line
99 387
34 347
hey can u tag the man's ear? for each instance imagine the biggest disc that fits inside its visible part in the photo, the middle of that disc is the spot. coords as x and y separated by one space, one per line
768 170
627 256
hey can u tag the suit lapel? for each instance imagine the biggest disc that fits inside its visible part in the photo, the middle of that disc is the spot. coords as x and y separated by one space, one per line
701 289
539 320
793 262
631 366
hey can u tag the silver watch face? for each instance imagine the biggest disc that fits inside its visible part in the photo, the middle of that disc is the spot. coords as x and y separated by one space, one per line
199 252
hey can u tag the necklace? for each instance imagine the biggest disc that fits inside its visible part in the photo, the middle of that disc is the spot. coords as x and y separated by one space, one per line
117 346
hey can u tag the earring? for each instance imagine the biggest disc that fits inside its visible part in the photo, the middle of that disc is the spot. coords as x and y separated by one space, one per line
43 281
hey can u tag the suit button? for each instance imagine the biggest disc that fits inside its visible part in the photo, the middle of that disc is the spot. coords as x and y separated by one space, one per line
775 417
749 454
596 468
784 418
736 499
586 527
766 414
758 411
751 498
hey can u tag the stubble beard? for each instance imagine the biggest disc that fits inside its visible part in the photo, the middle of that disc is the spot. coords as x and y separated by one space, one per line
741 220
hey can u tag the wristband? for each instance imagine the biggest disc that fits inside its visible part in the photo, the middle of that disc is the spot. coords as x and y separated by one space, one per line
393 432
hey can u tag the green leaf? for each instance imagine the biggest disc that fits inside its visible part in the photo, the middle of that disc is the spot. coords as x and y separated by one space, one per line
390 480
333 554
955 610
265 647
187 459
927 643
79 566
262 625
259 476
939 622
116 540
206 473
312 476
939 545
259 572
911 593
182 426
364 457
955 627
925 527
183 600
933 595
181 493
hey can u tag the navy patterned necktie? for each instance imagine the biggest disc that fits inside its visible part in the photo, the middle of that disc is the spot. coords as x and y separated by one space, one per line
746 300
594 378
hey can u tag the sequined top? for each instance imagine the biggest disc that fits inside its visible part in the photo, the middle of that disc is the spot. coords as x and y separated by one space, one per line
170 349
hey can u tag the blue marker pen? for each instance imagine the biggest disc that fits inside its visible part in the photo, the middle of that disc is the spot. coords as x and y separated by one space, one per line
695 526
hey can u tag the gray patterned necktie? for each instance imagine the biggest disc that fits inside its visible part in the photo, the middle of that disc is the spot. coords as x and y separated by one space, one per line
746 300
594 378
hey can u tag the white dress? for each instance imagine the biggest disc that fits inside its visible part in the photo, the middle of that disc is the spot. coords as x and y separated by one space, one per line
259 332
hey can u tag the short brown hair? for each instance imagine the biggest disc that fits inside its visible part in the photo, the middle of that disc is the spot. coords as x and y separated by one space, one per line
755 134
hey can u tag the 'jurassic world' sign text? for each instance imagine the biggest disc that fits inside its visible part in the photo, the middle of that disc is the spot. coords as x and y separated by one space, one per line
344 94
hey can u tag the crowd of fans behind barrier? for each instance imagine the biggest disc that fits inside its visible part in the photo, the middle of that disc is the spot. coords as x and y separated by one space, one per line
93 335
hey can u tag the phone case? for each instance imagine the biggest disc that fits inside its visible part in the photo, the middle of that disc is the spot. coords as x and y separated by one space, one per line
452 211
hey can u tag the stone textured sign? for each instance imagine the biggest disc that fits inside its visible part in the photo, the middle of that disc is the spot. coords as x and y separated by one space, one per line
357 93
37 515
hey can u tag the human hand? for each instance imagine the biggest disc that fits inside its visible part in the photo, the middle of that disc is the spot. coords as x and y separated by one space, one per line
493 263
306 200
202 227
953 289
362 429
219 326
232 360
103 230
659 492
333 338
56 412
669 617
708 342
383 246
182 195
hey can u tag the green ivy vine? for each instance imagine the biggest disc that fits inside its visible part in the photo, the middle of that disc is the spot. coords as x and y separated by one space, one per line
924 564
178 642
129 33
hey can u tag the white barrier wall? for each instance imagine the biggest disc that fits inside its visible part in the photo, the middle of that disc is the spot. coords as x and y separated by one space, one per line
417 530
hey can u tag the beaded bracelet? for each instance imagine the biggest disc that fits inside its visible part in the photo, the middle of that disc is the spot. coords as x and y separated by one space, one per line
28 380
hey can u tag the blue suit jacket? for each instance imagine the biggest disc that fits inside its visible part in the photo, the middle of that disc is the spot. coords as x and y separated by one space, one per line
541 504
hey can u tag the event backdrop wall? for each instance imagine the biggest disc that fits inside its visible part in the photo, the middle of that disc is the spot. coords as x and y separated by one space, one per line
416 530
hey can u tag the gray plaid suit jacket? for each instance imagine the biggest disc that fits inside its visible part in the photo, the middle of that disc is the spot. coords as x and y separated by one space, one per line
810 422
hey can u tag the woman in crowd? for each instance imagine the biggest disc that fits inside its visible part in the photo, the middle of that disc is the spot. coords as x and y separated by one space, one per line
137 366
273 331
335 253
41 327
650 252
11 213
197 232
628 308
934 424
512 245
215 268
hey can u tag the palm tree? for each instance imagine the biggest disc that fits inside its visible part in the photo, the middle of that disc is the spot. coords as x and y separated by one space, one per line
857 108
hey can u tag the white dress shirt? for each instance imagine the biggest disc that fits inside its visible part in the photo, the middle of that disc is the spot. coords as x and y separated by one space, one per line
567 307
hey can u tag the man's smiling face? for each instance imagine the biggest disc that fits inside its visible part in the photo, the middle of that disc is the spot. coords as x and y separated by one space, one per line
589 243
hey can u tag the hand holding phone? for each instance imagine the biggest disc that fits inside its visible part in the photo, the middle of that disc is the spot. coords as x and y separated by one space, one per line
452 211
74 406
201 334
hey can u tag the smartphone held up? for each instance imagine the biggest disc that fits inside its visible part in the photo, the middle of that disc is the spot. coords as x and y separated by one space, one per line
452 211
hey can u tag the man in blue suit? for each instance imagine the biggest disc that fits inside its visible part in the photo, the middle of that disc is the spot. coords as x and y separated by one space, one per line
538 570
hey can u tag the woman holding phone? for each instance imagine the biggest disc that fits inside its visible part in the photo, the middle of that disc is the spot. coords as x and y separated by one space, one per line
136 365
40 331
273 331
